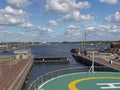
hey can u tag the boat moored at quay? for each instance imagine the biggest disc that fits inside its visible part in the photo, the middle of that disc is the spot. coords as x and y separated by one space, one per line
108 57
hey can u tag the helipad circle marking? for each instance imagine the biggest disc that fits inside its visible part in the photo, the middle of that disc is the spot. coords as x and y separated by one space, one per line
72 85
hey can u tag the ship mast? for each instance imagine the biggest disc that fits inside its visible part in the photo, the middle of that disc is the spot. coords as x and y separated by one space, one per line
84 44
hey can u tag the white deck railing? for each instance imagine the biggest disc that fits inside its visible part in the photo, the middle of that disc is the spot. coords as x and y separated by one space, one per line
40 80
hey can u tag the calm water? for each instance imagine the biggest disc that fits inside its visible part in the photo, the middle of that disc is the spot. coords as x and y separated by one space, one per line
47 50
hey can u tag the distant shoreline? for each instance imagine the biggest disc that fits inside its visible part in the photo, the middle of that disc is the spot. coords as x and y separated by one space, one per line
64 42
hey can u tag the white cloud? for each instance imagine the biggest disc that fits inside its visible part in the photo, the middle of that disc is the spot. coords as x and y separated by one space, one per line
69 8
71 33
32 27
63 6
76 26
113 18
10 10
34 35
11 16
19 4
114 29
103 28
109 1
117 16
28 26
4 33
56 6
76 16
14 14
102 32
21 33
80 5
52 23
18 17
44 29
90 28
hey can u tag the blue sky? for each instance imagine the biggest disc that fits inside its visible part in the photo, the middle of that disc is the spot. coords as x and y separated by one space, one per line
59 20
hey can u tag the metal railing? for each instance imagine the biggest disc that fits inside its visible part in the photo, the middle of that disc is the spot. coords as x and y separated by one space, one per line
42 79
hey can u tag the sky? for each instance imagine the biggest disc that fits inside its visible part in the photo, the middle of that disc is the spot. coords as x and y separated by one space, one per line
59 20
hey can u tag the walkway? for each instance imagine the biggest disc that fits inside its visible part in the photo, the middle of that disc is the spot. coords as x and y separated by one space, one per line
10 73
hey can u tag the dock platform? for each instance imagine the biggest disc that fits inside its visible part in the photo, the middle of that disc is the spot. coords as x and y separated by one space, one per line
51 59
115 65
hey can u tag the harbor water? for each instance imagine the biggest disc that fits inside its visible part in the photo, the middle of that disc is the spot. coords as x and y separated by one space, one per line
52 50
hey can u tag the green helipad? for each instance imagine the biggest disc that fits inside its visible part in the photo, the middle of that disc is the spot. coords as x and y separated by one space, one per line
84 81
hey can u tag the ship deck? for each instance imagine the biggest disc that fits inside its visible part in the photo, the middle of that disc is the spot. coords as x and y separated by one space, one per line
84 81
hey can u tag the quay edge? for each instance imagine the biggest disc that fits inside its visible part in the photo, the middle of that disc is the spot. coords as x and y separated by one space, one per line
18 82
15 76
88 61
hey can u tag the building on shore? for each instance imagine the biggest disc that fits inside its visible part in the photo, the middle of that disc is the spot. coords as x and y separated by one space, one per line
22 54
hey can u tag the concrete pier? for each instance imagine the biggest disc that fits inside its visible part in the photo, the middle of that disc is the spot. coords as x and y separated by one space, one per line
114 66
14 74
18 82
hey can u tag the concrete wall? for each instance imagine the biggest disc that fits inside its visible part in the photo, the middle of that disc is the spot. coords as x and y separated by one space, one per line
18 82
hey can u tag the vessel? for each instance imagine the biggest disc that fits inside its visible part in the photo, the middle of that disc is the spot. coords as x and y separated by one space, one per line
76 79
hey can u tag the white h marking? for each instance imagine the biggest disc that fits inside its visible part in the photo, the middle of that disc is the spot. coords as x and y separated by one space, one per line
109 85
